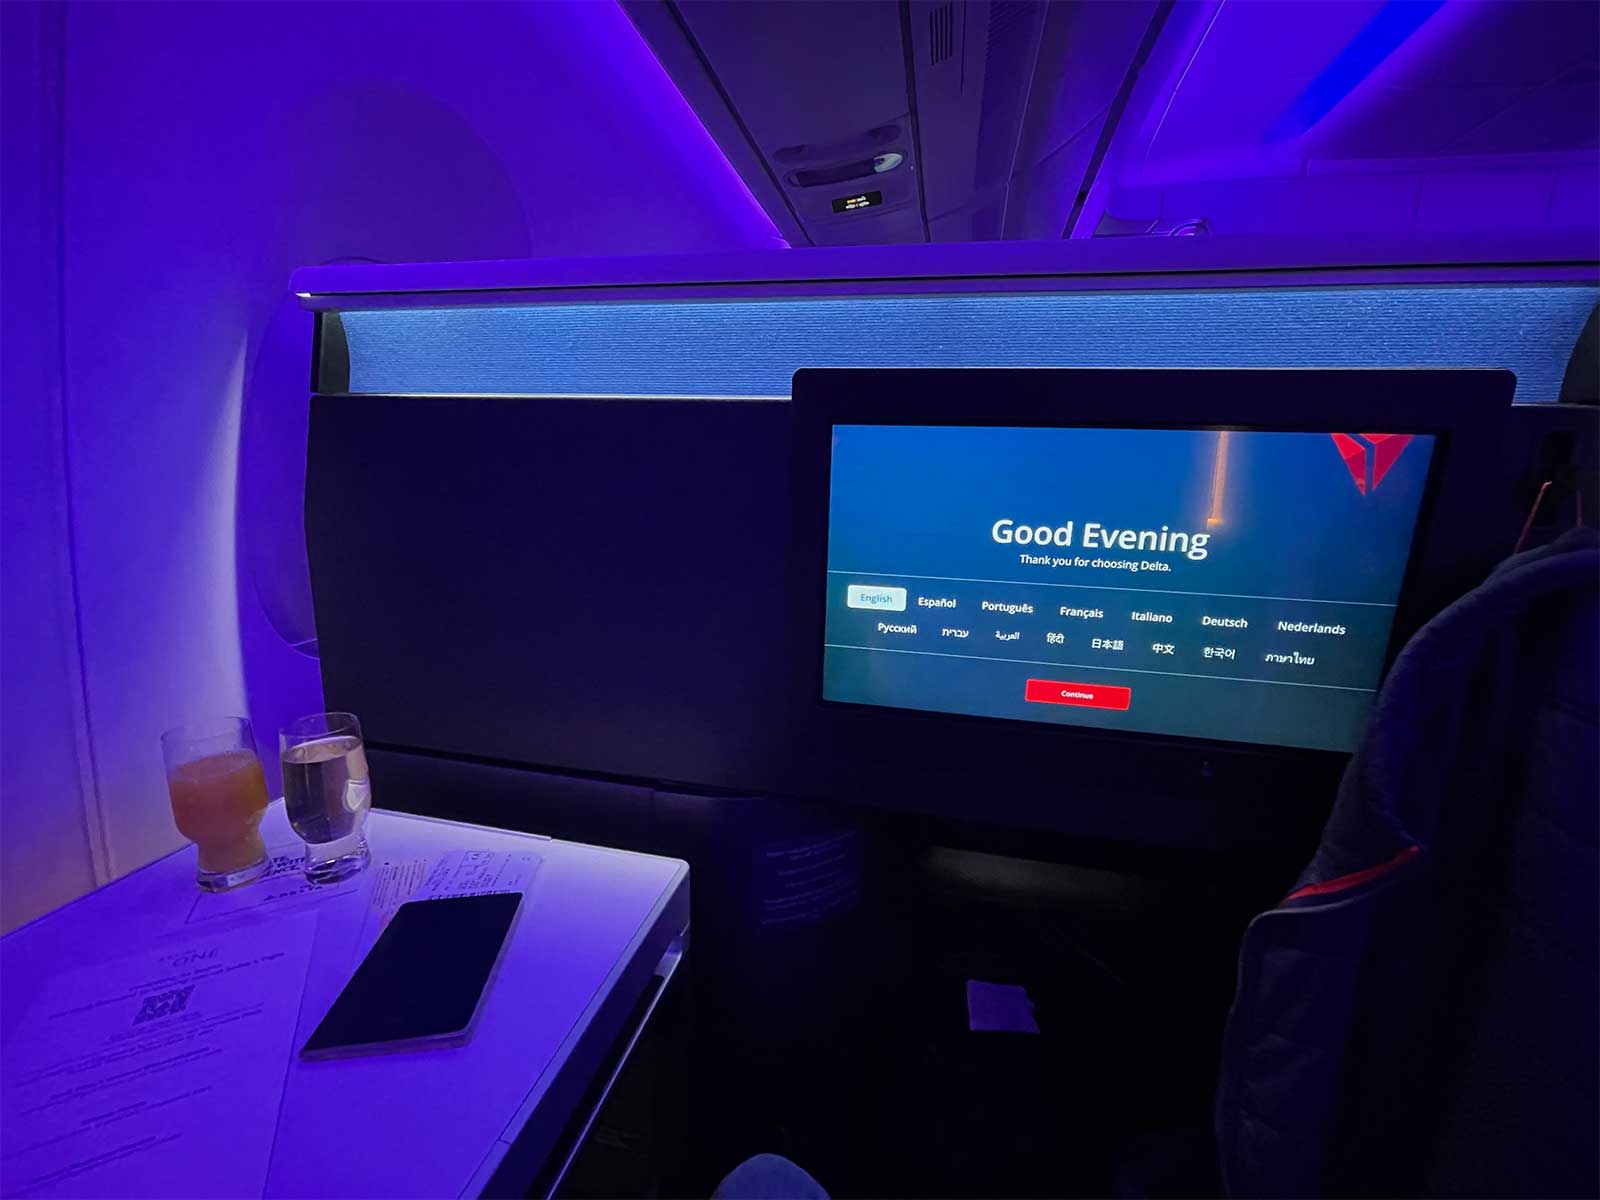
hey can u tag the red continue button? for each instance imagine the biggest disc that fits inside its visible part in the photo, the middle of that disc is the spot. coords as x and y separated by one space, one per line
1084 695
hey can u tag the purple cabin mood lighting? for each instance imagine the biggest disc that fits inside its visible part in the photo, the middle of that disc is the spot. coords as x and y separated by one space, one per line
816 523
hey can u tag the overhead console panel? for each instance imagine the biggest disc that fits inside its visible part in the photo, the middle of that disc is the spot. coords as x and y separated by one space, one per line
999 119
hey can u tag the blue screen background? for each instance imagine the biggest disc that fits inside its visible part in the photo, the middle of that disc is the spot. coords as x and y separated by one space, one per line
914 506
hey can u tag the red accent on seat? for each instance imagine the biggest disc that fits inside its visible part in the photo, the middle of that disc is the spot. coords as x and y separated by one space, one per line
1355 878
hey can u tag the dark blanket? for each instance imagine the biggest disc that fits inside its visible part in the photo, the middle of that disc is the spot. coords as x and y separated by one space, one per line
1419 1016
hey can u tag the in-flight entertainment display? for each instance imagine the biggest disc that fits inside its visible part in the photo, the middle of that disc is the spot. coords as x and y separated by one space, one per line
1238 585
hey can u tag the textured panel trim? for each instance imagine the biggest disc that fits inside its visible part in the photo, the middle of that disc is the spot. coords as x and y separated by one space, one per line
753 347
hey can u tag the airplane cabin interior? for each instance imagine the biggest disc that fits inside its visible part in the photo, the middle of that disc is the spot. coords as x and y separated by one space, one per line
800 598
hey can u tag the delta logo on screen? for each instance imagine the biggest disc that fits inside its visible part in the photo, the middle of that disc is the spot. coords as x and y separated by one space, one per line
1368 456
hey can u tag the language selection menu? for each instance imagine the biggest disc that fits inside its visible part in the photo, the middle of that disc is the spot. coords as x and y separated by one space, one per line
1232 586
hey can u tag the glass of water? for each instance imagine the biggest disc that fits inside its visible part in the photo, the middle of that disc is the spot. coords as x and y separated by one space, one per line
327 793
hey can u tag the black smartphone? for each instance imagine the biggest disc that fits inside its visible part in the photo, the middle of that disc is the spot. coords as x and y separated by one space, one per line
423 982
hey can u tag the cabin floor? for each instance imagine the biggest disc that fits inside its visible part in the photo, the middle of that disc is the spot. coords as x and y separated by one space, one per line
848 1050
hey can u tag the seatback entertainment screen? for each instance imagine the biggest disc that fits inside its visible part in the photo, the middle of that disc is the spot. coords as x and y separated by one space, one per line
1235 585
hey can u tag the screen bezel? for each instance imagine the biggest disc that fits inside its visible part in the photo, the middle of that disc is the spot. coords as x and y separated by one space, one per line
1460 409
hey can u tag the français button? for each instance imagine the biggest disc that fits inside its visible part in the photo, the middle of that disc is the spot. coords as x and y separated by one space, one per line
1080 695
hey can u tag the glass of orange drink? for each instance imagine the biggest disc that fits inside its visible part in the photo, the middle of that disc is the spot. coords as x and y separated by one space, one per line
218 797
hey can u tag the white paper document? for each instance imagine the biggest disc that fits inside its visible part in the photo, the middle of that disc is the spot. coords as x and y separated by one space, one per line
156 1075
393 885
477 873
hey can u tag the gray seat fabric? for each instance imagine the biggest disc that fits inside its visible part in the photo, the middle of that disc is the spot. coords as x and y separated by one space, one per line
1420 1014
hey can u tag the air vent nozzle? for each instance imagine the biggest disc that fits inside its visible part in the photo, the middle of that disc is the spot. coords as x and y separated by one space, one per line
860 168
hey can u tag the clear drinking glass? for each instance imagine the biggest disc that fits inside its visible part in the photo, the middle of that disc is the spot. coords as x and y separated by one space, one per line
218 797
327 793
